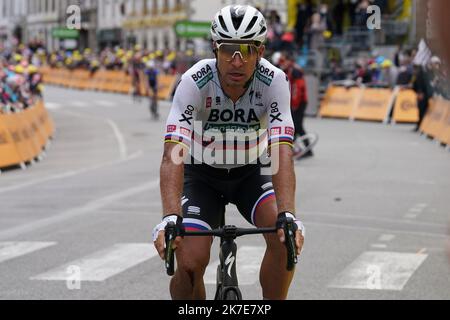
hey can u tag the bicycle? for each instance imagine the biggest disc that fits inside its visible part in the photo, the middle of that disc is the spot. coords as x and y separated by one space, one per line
227 281
300 147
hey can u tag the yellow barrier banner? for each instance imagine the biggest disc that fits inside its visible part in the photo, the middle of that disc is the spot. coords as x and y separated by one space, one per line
444 134
433 122
44 120
339 102
106 80
166 84
406 109
31 116
9 154
374 104
19 136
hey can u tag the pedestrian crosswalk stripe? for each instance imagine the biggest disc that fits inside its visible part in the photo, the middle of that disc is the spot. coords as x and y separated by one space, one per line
11 250
103 264
248 263
379 271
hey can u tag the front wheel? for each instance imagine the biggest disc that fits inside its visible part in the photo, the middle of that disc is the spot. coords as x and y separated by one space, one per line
231 294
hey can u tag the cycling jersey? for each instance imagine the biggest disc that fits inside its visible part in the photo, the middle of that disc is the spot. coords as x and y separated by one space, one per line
224 134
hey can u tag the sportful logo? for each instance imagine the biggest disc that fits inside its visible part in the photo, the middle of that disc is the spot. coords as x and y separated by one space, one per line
229 262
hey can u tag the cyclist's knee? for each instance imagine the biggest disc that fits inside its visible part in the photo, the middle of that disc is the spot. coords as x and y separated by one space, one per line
193 257
193 266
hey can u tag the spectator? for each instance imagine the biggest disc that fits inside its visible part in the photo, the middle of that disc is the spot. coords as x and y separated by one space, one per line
315 32
421 85
304 13
299 97
338 16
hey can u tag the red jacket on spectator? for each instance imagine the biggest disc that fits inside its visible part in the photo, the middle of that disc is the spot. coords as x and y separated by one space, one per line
299 94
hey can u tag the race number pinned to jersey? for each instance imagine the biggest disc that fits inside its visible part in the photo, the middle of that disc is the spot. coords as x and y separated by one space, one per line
208 102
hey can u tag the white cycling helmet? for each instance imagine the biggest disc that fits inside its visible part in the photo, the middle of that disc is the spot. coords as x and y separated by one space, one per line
237 22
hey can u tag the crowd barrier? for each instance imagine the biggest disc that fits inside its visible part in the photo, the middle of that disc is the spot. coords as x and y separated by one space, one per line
24 135
436 123
105 80
376 104
372 104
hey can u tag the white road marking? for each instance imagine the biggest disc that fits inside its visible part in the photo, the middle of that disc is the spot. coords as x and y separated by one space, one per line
11 250
415 211
104 264
105 103
410 216
89 207
69 174
379 271
79 104
379 246
117 134
120 139
386 237
52 105
248 263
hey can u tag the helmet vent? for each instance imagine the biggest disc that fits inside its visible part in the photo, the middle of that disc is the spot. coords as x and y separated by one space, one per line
222 23
249 36
223 35
251 24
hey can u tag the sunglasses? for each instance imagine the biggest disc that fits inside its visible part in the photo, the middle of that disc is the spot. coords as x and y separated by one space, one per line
227 51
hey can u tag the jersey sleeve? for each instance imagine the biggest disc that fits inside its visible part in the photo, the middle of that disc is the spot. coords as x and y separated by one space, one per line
185 106
280 125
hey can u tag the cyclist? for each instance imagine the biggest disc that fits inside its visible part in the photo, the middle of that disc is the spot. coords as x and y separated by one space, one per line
237 93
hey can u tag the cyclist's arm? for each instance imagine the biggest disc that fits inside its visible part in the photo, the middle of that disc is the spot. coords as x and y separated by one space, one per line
179 132
284 181
281 137
171 177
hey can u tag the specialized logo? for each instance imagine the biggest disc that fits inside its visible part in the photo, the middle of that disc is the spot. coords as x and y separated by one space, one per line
171 128
229 262
275 113
187 116
237 115
203 76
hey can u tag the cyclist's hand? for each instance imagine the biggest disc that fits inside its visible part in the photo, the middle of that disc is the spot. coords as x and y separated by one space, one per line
159 234
299 233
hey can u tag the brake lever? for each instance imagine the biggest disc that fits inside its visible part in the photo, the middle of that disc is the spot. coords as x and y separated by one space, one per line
169 256
289 235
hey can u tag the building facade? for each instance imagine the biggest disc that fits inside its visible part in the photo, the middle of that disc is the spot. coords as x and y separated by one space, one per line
45 16
12 16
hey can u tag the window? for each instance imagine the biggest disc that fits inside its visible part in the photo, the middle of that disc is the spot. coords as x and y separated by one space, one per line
166 6
155 7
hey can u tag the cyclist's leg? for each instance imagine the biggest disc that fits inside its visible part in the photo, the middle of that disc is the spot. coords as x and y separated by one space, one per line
256 201
202 209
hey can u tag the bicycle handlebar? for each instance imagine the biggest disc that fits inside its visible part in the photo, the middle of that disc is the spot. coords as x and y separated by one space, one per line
229 232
